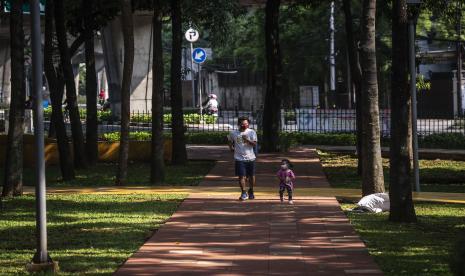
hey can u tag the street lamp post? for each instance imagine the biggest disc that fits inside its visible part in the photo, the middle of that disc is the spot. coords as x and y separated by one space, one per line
41 260
413 16
460 106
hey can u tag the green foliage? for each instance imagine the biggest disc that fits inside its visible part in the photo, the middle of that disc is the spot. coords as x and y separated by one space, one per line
104 116
423 84
304 44
421 248
443 140
188 118
215 138
438 19
134 136
192 119
210 138
48 113
82 230
303 138
435 175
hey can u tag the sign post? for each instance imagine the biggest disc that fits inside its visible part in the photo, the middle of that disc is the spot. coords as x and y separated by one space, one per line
199 56
192 36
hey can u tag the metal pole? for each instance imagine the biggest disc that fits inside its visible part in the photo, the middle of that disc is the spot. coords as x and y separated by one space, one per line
41 255
459 59
332 55
200 88
192 75
413 92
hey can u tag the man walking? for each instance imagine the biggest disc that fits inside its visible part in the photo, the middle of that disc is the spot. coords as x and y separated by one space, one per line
242 142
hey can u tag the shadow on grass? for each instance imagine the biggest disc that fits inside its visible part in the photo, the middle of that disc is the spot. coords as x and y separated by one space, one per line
435 175
103 174
423 248
86 233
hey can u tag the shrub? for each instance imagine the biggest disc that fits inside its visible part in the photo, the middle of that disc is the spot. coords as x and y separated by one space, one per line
141 118
167 118
209 138
291 139
48 113
443 140
303 138
135 136
217 138
104 116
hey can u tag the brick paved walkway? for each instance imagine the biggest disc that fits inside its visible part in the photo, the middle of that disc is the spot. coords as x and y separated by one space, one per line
215 234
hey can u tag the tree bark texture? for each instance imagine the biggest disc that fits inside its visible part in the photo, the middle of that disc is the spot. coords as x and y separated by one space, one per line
91 86
127 26
400 187
372 176
356 75
80 160
179 139
157 172
13 177
56 85
274 78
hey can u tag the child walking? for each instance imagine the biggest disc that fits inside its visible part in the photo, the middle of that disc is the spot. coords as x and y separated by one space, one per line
286 180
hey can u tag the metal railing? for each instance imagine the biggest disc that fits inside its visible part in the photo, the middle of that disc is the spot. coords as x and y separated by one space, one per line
292 120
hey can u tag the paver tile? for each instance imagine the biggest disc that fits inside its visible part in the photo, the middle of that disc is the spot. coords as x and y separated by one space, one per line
218 235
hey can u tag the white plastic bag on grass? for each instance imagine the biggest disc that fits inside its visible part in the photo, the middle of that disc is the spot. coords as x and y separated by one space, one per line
375 203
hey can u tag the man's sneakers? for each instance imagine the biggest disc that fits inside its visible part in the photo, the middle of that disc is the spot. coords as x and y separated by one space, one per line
243 196
251 194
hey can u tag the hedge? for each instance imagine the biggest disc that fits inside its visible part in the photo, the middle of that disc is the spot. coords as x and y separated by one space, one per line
287 140
215 138
106 116
101 115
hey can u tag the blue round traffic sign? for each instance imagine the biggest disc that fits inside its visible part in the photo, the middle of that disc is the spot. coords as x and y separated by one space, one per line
199 55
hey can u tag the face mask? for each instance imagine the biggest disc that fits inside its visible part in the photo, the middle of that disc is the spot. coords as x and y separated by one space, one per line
244 126
284 167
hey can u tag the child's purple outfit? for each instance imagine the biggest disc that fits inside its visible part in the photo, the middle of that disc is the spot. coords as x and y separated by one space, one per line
283 185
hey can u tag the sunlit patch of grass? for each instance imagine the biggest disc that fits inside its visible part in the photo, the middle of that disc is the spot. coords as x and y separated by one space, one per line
87 234
422 248
435 175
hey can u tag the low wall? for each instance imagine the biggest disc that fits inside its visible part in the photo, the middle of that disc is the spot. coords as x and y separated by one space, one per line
108 151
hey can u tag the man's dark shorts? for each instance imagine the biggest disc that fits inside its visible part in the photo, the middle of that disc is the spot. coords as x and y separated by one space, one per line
245 168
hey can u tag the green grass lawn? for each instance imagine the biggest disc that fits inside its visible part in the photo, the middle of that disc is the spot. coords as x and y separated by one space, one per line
87 234
423 248
103 174
435 175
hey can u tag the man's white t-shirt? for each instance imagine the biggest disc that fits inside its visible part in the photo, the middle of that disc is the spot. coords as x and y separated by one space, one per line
243 151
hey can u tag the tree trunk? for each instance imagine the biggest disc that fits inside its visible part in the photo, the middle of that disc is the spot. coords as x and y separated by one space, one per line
356 75
127 27
157 172
372 176
400 187
179 139
272 106
91 86
13 177
80 159
56 85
